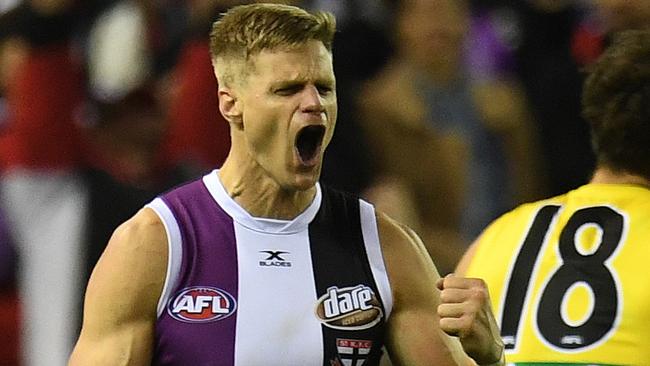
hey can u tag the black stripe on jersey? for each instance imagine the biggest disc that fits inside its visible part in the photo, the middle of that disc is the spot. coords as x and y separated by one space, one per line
523 268
339 260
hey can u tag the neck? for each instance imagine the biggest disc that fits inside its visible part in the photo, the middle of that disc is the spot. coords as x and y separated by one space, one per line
259 194
605 175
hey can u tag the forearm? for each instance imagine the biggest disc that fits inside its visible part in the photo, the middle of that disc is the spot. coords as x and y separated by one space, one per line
500 362
121 348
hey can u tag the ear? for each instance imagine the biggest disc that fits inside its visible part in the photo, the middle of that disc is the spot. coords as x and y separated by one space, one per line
230 106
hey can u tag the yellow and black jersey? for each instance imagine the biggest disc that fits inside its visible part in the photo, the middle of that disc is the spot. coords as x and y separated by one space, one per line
569 277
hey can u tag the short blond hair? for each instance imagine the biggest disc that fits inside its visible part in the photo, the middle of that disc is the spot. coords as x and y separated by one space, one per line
246 30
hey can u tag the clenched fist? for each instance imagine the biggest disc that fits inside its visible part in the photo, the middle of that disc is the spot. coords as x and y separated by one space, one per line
465 312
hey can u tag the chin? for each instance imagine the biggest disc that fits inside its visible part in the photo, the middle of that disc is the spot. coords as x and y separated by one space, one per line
304 181
304 184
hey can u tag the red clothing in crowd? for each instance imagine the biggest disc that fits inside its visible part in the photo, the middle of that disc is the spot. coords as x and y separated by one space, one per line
42 99
197 132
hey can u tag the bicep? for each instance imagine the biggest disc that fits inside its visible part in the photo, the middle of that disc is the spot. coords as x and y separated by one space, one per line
121 298
415 338
414 334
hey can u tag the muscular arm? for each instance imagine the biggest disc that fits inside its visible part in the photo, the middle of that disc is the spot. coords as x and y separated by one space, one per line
122 295
415 333
414 336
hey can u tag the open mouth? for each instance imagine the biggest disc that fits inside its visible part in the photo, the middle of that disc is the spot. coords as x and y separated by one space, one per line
308 143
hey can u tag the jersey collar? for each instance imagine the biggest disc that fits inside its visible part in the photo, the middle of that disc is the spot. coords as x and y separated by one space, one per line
241 216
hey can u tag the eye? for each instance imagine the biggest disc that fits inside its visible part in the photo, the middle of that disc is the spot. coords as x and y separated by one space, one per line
288 90
324 89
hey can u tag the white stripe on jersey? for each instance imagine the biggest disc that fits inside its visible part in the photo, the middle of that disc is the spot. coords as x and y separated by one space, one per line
276 303
375 257
174 253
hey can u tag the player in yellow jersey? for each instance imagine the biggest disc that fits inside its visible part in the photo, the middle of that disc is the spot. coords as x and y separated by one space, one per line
570 275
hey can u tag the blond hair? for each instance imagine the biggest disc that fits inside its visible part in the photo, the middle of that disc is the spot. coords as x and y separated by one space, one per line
246 30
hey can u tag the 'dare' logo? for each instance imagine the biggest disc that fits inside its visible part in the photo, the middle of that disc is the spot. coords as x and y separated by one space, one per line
349 308
201 304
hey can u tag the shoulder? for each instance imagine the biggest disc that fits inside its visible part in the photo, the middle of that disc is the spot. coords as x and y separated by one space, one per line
396 235
507 231
407 261
121 300
343 205
131 271
522 216
190 190
145 221
143 233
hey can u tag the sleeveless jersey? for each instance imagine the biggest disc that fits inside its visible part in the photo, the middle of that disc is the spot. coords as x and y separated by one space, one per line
569 277
242 290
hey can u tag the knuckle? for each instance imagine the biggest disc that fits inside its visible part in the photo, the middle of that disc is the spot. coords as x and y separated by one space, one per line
472 308
479 294
480 282
441 310
449 327
444 296
444 323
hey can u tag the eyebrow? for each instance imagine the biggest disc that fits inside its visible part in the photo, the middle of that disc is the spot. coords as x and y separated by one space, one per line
300 82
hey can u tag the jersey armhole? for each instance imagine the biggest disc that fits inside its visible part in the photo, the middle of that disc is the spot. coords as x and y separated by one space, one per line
375 257
174 252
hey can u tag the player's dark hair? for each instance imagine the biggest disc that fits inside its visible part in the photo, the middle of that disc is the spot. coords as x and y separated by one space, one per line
616 102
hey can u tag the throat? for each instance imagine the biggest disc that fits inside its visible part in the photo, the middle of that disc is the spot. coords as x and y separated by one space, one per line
263 198
278 205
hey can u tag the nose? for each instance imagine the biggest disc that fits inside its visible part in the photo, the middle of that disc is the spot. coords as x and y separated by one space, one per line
312 100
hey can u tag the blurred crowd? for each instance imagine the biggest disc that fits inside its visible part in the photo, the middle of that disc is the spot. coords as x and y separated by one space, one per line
450 113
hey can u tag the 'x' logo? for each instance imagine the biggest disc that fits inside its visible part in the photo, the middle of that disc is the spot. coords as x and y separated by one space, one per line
274 254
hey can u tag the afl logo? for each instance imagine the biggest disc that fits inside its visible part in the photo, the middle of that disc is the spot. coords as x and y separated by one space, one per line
349 308
201 304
